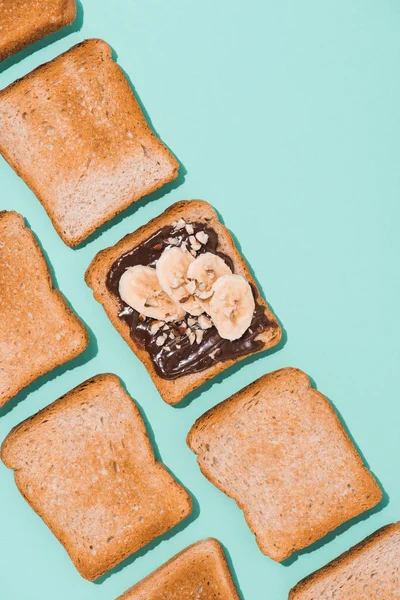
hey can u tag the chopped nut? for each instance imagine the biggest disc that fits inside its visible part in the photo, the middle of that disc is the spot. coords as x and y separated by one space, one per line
179 224
142 317
190 229
178 346
191 336
173 241
199 335
166 327
172 335
205 322
161 339
202 237
191 321
155 327
184 299
193 252
183 247
182 329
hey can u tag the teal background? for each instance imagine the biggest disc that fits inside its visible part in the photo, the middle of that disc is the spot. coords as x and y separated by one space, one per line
286 117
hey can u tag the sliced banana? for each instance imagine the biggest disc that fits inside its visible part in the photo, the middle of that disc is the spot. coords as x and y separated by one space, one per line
203 272
231 306
139 288
171 269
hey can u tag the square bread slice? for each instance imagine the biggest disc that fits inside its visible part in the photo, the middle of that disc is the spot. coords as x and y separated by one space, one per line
22 23
73 130
368 571
199 572
85 464
279 450
38 330
173 388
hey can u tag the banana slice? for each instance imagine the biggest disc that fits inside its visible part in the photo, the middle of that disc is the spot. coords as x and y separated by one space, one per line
171 269
139 288
231 306
203 273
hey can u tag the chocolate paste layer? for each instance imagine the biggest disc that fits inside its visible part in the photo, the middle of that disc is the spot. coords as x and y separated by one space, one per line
169 360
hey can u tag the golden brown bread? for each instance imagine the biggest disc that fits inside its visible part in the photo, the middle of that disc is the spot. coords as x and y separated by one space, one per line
73 130
38 330
199 572
23 23
86 466
279 450
368 571
173 391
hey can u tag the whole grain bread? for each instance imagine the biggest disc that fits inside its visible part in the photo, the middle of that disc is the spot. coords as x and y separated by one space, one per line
85 464
38 330
368 571
279 450
73 130
22 23
199 572
173 391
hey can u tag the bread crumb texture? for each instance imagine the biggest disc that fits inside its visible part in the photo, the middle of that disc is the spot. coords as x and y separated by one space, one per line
86 466
278 448
23 22
200 572
368 571
38 330
73 130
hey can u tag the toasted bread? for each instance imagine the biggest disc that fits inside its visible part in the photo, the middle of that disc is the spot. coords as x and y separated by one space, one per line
73 130
23 23
368 571
173 391
199 572
278 448
38 330
86 466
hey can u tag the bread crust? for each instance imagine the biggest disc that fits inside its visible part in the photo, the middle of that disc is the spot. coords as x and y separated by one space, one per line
201 566
23 23
39 331
89 153
346 559
173 391
275 538
86 466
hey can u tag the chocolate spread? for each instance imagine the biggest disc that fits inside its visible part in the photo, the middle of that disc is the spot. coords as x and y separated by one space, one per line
169 360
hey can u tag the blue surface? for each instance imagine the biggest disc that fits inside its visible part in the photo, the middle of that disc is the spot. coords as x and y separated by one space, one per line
286 117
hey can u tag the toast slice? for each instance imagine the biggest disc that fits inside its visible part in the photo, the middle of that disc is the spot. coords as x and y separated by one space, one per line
73 130
38 330
86 466
279 450
368 571
200 571
23 23
174 387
